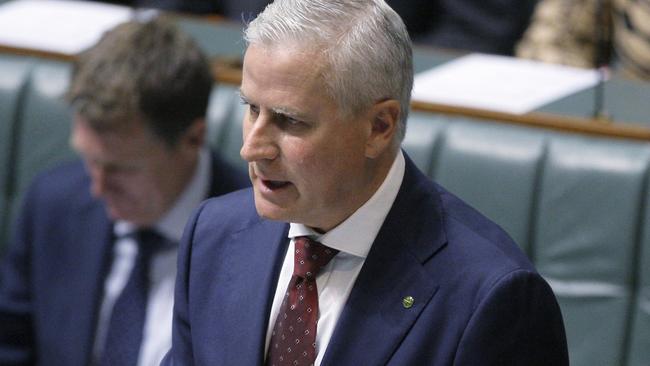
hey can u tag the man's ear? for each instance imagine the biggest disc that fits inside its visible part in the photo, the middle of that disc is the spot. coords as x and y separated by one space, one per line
384 117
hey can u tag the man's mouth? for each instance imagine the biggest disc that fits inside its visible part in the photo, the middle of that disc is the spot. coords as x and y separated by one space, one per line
274 184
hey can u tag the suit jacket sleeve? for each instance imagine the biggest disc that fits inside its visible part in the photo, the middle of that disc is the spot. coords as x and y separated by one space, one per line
16 332
518 322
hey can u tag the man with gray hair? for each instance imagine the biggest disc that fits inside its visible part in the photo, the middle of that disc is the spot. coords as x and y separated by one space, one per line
343 252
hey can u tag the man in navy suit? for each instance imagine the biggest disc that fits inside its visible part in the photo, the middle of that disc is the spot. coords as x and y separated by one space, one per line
404 272
139 98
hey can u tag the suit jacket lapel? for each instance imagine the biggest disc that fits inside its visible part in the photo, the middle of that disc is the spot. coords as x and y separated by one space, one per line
375 319
262 247
90 251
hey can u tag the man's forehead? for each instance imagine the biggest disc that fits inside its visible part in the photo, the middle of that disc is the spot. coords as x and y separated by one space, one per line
293 62
122 125
127 141
285 74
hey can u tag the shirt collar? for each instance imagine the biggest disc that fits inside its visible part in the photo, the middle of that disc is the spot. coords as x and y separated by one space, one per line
356 234
172 223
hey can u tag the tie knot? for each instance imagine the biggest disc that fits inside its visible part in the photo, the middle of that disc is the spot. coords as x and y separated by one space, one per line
149 241
310 257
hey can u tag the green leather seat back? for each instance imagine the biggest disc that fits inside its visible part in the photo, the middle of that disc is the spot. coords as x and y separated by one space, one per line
422 136
45 126
585 237
219 114
227 118
13 79
639 350
495 169
231 141
223 39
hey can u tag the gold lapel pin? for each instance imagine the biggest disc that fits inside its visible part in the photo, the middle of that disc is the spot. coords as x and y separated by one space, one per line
408 301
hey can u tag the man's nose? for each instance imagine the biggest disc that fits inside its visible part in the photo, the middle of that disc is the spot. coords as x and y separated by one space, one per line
259 139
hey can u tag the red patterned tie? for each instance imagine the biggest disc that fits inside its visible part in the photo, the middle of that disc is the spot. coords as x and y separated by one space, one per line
293 341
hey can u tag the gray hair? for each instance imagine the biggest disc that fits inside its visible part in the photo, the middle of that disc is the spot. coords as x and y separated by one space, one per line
365 44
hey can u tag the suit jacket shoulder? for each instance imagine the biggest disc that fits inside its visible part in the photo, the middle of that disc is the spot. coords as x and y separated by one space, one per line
59 250
62 186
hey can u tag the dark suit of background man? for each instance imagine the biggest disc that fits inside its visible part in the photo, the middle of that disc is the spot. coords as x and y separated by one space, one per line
420 278
139 98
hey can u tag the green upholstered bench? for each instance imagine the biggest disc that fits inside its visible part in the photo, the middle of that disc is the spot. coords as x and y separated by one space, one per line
14 76
639 334
578 205
40 125
575 204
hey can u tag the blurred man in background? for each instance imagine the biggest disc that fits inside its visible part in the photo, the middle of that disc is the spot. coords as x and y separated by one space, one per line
89 276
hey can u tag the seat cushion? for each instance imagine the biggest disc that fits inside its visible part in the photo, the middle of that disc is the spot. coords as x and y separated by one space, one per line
586 230
495 169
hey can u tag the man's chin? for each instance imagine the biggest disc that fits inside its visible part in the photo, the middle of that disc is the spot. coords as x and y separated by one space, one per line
271 211
118 214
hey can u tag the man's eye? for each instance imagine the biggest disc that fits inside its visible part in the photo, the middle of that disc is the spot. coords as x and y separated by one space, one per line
122 169
252 113
293 121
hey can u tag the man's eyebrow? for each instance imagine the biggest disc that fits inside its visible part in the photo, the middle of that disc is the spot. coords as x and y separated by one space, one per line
287 112
282 111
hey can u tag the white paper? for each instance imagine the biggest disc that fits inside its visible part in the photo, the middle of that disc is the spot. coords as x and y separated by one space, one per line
500 83
66 27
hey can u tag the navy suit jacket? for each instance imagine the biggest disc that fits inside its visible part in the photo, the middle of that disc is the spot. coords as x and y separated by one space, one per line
52 278
478 300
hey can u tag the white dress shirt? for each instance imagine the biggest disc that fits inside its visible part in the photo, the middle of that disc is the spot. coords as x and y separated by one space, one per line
156 338
353 238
